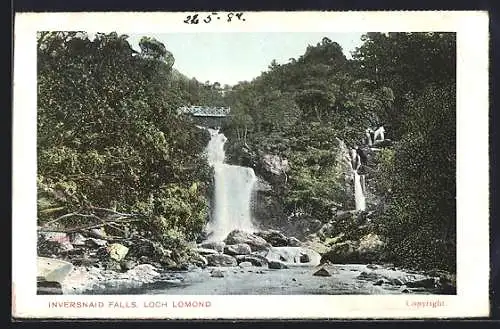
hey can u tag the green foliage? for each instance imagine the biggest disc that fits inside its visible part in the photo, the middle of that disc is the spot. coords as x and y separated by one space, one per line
109 135
421 216
403 81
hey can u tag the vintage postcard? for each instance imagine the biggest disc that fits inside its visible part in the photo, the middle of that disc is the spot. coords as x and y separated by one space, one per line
250 165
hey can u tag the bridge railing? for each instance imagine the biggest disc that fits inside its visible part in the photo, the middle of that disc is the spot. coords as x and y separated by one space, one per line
205 111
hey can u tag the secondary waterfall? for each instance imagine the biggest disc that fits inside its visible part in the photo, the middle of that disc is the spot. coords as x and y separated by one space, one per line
233 191
359 196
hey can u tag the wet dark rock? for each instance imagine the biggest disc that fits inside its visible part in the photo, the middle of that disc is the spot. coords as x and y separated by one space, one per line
49 288
322 272
372 266
379 283
405 291
217 274
254 259
276 265
304 258
221 260
237 249
275 238
424 283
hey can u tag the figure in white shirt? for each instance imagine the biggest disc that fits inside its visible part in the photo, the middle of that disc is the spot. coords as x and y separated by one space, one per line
379 134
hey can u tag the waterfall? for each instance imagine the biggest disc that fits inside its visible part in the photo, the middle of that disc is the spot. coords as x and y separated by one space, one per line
233 191
359 197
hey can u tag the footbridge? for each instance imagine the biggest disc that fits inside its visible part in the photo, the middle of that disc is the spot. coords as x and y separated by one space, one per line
206 115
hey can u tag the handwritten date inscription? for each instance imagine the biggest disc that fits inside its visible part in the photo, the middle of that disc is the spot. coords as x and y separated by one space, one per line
229 17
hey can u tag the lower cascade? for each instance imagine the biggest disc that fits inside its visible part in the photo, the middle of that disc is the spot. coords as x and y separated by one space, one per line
233 190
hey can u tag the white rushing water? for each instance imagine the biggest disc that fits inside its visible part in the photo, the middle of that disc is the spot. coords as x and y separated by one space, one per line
359 197
233 191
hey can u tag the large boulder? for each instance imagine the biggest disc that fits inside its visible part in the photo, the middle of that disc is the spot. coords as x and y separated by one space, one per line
256 260
255 242
221 260
237 249
275 238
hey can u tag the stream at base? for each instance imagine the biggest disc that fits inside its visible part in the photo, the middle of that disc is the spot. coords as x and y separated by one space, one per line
345 279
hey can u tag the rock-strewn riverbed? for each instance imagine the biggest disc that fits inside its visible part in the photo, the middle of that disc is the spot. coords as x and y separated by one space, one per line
266 262
337 279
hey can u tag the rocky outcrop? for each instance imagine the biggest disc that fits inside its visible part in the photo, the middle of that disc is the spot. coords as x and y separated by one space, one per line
255 242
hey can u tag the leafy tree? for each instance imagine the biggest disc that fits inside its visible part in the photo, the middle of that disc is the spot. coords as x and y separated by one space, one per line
109 136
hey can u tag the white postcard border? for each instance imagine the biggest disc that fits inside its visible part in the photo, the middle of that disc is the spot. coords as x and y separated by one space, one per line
472 299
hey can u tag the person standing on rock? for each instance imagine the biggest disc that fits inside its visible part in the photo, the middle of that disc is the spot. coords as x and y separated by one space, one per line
379 134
